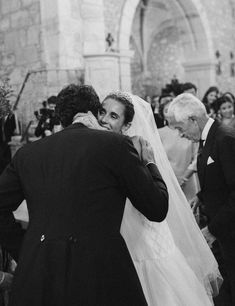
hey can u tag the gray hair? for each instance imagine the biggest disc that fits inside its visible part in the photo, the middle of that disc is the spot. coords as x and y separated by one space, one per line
184 106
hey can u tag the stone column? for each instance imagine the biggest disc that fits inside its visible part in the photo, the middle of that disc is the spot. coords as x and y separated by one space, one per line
62 38
102 72
125 70
94 28
201 73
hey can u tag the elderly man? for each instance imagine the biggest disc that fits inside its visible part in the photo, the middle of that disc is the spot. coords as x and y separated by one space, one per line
216 171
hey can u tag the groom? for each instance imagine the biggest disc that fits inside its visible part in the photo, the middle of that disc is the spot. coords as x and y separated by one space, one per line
75 183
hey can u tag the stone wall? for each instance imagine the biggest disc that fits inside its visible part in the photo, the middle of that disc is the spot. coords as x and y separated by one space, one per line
56 37
221 17
112 15
165 58
42 38
20 39
166 54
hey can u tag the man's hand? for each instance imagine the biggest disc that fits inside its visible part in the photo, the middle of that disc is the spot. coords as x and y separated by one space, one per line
7 279
195 203
208 236
89 120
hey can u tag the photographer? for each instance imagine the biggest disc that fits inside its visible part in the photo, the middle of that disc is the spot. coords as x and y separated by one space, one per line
47 120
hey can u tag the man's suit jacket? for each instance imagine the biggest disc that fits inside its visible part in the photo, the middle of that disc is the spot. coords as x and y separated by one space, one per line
76 183
7 128
216 172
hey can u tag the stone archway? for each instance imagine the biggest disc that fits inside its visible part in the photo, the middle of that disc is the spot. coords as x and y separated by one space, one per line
190 20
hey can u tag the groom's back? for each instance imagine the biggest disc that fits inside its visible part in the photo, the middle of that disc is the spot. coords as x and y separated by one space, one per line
70 180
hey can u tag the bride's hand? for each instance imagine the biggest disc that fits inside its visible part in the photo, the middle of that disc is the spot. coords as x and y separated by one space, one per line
89 120
144 149
146 152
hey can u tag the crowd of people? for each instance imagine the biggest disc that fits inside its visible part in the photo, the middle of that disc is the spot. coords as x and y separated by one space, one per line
132 202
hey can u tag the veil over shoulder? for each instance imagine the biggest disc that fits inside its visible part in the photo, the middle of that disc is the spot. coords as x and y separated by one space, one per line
184 230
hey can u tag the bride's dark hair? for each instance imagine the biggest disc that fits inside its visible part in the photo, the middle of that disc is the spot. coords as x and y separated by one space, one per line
126 101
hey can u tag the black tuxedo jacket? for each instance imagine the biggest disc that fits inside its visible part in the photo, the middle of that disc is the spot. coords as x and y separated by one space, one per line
216 171
7 128
76 183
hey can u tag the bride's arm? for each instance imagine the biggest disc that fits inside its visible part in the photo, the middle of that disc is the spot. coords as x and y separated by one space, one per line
144 185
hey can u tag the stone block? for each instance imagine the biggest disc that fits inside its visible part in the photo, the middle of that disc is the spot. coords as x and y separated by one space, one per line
27 55
26 2
33 35
8 59
15 5
20 19
22 38
4 24
11 39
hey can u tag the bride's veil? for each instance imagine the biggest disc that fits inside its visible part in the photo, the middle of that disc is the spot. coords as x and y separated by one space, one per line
184 229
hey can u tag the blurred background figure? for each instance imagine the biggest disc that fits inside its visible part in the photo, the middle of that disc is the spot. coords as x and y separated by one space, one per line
48 122
7 128
148 99
230 96
43 110
159 116
155 103
182 155
208 100
225 111
190 88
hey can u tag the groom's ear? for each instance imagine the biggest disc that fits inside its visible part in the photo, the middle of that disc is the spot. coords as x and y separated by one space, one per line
126 127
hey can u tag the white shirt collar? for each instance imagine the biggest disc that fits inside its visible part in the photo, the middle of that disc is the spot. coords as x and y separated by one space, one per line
206 129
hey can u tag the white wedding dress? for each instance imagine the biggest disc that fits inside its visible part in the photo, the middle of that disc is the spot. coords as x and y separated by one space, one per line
173 261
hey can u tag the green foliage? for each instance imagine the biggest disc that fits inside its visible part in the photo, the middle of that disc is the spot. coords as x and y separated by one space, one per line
5 93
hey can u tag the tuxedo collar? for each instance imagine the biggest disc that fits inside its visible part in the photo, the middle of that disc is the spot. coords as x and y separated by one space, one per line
211 132
207 151
76 126
206 129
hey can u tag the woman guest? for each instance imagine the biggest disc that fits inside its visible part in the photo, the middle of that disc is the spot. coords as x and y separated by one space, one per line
208 100
225 111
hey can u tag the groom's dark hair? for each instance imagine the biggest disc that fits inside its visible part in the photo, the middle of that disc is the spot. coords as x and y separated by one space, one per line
74 99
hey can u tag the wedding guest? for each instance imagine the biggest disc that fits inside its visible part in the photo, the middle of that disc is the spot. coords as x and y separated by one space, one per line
48 119
159 117
209 100
230 96
7 128
155 104
190 88
225 111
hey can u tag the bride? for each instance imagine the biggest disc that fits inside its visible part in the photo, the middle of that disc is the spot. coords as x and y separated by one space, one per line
173 261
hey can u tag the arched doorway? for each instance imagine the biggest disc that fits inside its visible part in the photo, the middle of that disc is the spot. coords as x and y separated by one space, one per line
169 38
